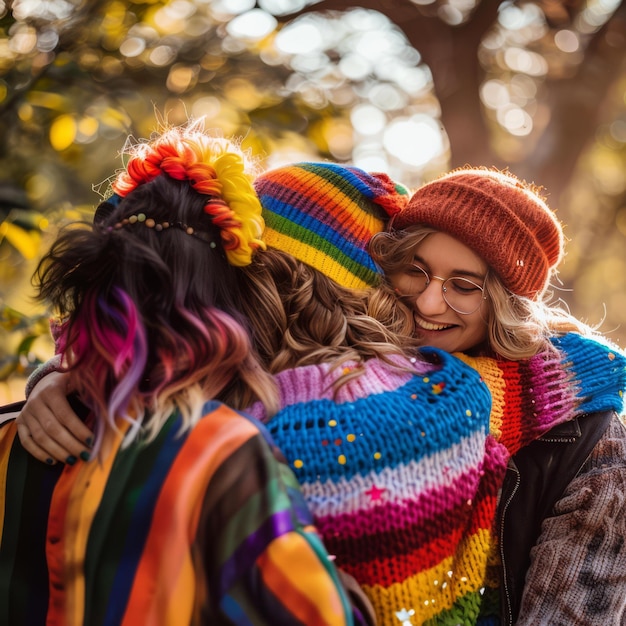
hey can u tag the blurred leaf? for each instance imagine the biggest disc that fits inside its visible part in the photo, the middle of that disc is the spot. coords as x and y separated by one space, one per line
26 344
8 366
63 132
12 320
26 242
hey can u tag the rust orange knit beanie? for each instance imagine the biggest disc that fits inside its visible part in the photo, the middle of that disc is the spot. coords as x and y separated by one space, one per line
505 220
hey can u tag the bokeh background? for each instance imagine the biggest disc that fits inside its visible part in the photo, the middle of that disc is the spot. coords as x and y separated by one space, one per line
411 87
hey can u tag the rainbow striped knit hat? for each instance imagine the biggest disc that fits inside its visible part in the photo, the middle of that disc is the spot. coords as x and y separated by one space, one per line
325 214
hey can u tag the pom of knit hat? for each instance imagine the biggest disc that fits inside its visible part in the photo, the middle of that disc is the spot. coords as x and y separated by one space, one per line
500 217
325 214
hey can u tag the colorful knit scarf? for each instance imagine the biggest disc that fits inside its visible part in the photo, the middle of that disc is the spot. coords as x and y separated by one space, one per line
532 396
402 471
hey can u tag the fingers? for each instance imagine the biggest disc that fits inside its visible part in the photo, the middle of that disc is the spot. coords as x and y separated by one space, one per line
31 446
47 426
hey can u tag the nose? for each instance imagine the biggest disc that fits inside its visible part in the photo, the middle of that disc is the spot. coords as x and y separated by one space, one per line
431 302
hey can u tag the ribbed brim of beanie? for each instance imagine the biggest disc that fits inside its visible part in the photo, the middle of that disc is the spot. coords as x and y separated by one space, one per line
500 217
325 214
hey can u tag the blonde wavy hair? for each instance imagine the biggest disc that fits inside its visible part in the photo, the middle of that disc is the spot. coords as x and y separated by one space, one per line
518 327
299 317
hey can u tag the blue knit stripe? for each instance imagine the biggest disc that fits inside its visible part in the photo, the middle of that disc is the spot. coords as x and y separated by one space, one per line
308 229
600 389
438 420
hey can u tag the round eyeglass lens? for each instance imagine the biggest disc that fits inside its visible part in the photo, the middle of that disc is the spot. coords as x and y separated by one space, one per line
460 294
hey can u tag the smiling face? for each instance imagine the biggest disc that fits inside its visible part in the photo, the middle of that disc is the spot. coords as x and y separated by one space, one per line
438 324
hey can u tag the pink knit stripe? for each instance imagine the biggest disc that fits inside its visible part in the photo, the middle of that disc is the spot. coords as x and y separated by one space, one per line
315 382
554 393
419 549
399 484
415 511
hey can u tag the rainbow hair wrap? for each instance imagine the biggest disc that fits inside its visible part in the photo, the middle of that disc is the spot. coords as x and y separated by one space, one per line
216 168
325 214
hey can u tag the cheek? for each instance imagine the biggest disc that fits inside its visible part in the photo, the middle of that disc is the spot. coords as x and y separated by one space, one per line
395 281
485 312
481 332
481 323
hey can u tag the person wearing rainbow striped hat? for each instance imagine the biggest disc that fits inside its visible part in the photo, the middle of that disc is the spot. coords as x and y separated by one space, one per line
393 495
365 421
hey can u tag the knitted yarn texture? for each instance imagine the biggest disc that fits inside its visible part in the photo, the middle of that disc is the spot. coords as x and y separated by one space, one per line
501 217
324 215
530 397
402 471
392 467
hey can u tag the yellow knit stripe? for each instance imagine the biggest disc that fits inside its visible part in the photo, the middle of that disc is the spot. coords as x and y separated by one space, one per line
492 375
434 590
314 257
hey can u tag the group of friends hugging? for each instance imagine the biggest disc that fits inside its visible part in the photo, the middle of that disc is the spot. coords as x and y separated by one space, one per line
312 396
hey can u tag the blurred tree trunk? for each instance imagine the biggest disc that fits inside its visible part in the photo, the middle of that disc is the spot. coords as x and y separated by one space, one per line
450 53
576 102
578 106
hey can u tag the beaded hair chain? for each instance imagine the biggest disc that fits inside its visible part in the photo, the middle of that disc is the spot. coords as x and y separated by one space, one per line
149 222
216 168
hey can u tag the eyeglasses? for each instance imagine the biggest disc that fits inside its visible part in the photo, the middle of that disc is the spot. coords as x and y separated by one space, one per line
461 294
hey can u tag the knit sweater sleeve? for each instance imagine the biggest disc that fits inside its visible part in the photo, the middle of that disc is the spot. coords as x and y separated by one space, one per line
51 365
532 396
54 363
578 565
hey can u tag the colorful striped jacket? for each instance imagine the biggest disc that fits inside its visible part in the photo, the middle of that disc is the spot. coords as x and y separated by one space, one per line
205 527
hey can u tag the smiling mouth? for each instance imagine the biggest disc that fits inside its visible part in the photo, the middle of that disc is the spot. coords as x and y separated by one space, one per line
424 325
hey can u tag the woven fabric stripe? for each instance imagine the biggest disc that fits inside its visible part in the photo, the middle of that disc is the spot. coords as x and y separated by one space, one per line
208 445
23 569
81 511
138 541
